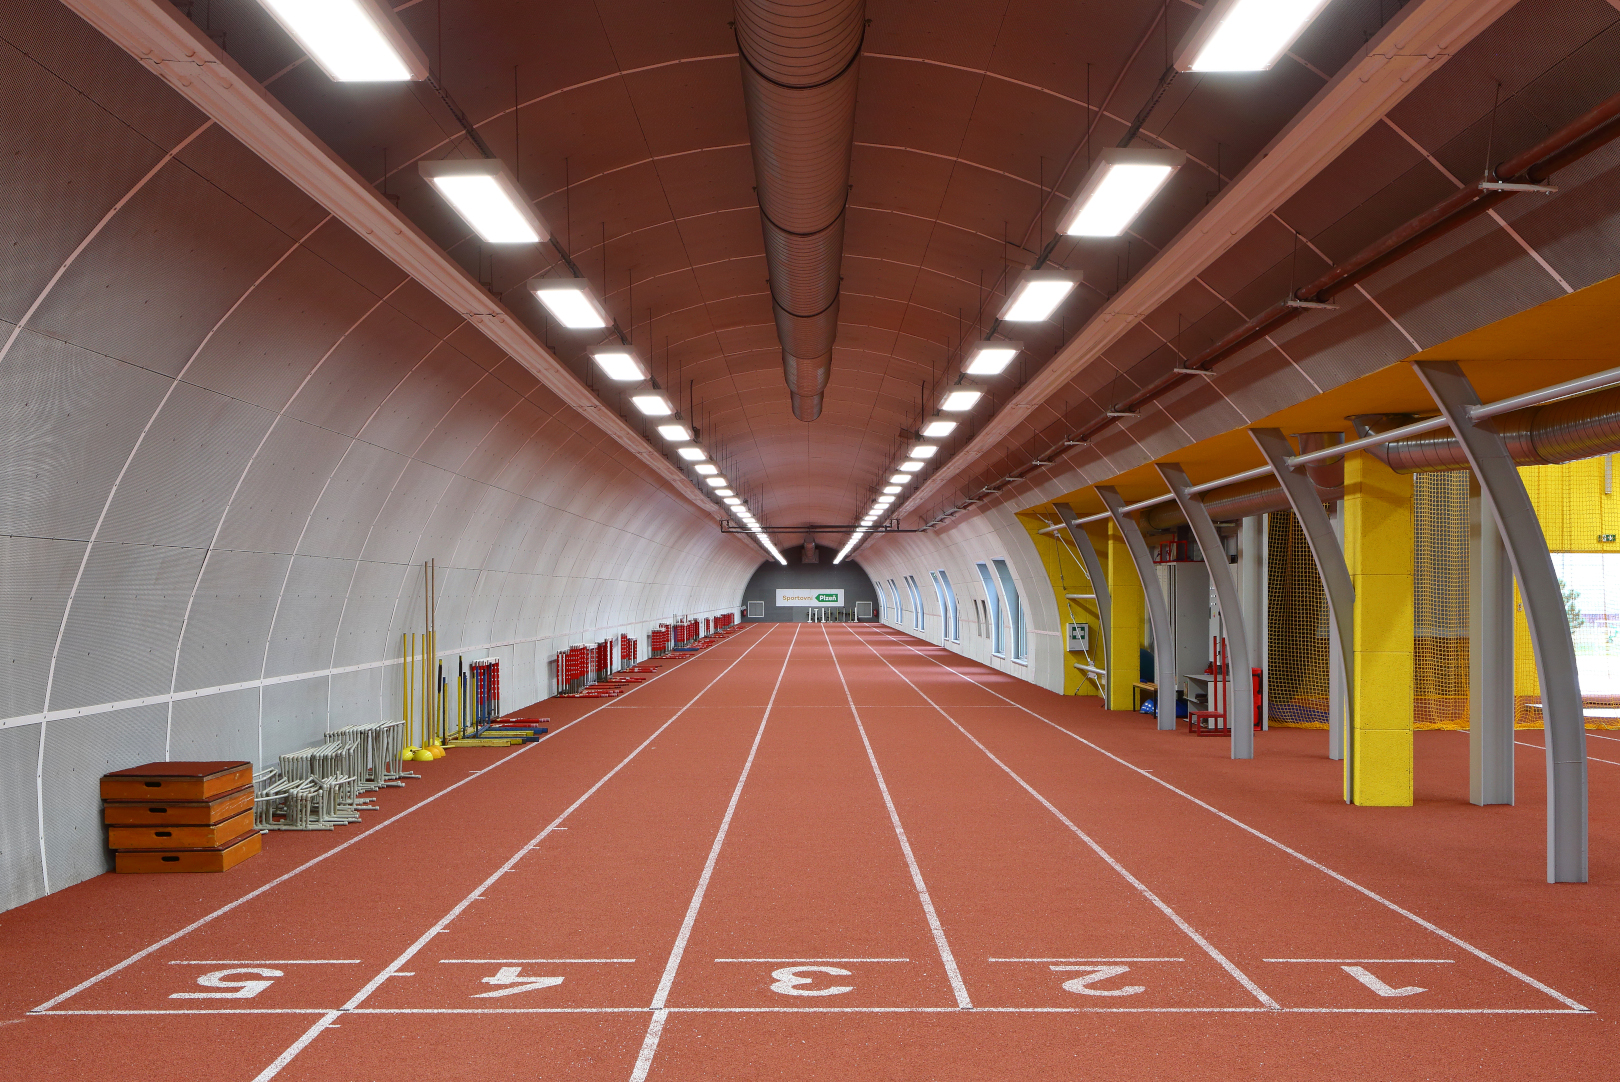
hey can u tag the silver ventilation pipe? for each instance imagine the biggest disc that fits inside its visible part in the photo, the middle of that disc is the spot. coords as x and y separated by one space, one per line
800 59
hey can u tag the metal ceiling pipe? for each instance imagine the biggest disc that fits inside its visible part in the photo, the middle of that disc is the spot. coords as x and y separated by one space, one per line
1262 495
800 61
1563 431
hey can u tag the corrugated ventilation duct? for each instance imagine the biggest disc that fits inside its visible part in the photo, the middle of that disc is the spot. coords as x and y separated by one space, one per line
800 61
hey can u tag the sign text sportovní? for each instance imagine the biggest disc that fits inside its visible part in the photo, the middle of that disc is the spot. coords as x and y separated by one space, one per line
787 599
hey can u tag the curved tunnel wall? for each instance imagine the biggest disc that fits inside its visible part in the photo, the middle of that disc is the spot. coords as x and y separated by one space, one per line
230 433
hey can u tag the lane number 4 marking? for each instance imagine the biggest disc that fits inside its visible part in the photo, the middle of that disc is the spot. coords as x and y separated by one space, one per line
244 989
1379 986
513 975
788 981
1093 974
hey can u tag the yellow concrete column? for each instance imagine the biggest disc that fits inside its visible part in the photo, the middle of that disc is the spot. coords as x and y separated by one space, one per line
1378 549
1125 623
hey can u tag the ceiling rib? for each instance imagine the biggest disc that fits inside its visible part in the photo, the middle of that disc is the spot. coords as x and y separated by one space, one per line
1411 46
182 56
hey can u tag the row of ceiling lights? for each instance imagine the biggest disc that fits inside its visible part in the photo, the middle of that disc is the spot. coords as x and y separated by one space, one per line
1230 35
364 41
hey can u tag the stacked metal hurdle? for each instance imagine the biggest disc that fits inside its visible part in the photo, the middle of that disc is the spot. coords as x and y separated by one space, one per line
323 787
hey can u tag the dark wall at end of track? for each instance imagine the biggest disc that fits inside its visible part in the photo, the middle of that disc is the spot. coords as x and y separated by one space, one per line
797 575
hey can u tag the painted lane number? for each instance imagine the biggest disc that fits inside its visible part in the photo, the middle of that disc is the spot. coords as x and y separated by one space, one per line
789 981
513 975
1094 974
244 989
1379 986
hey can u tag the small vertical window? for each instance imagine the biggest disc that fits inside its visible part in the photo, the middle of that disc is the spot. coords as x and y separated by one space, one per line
1015 611
998 640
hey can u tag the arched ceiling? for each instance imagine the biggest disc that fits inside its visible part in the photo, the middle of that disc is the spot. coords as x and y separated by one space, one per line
624 122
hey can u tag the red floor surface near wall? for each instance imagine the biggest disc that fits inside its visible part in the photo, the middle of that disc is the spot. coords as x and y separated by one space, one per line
823 852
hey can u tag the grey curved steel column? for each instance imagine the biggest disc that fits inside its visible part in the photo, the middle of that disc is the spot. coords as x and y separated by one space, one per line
1227 598
1328 555
1543 610
1164 647
1094 567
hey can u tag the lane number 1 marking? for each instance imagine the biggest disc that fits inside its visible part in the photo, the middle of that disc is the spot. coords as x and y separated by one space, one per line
1379 986
1093 974
788 981
513 975
244 989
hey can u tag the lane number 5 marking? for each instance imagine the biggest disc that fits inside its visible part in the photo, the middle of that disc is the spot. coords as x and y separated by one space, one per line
513 975
1093 974
244 989
788 981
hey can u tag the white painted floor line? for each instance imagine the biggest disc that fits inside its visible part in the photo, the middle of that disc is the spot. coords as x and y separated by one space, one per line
1543 747
774 960
1141 888
655 1028
958 988
524 961
1091 959
334 851
1366 961
376 982
281 962
1268 839
838 1010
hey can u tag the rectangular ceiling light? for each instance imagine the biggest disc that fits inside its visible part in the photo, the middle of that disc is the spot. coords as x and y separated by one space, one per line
692 454
724 492
652 405
620 363
487 198
958 401
935 430
1037 296
891 490
1244 35
708 469
570 302
883 501
1120 183
674 433
353 41
912 467
901 479
923 450
714 480
991 358
732 501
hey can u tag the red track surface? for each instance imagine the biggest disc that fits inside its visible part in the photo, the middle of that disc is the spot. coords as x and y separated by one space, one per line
816 852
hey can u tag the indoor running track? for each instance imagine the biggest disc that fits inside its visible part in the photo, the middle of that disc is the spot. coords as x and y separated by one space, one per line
811 851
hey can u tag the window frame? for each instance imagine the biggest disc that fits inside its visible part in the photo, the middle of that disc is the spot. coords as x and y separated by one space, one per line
1014 602
998 641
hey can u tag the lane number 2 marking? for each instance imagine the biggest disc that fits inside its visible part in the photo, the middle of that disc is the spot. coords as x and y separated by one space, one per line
788 981
1379 986
244 989
513 975
1093 974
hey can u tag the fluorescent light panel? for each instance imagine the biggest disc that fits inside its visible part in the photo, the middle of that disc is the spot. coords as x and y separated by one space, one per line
991 358
901 479
674 433
935 430
620 363
892 490
724 492
911 467
691 454
1244 35
708 468
959 401
732 501
1119 185
570 302
353 41
1037 296
924 450
714 482
487 198
652 405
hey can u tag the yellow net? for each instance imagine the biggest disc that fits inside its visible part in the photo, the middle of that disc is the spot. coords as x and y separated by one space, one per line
1440 600
1296 629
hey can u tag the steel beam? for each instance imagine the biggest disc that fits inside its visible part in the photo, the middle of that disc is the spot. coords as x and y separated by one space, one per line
1094 568
1164 648
1228 600
1544 611
1327 552
1490 657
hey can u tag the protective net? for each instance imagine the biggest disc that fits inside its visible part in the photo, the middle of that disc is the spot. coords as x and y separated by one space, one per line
1440 600
1296 628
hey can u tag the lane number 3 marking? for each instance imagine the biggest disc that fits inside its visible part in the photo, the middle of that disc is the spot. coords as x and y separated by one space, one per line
1093 974
244 989
788 981
512 975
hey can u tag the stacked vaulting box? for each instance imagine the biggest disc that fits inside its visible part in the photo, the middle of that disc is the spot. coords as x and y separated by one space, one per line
180 817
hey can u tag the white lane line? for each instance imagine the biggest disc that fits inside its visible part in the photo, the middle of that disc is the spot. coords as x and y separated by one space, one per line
393 967
1365 961
1542 747
282 962
958 988
1141 888
1268 839
812 959
655 1028
837 1010
1093 959
334 851
524 961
